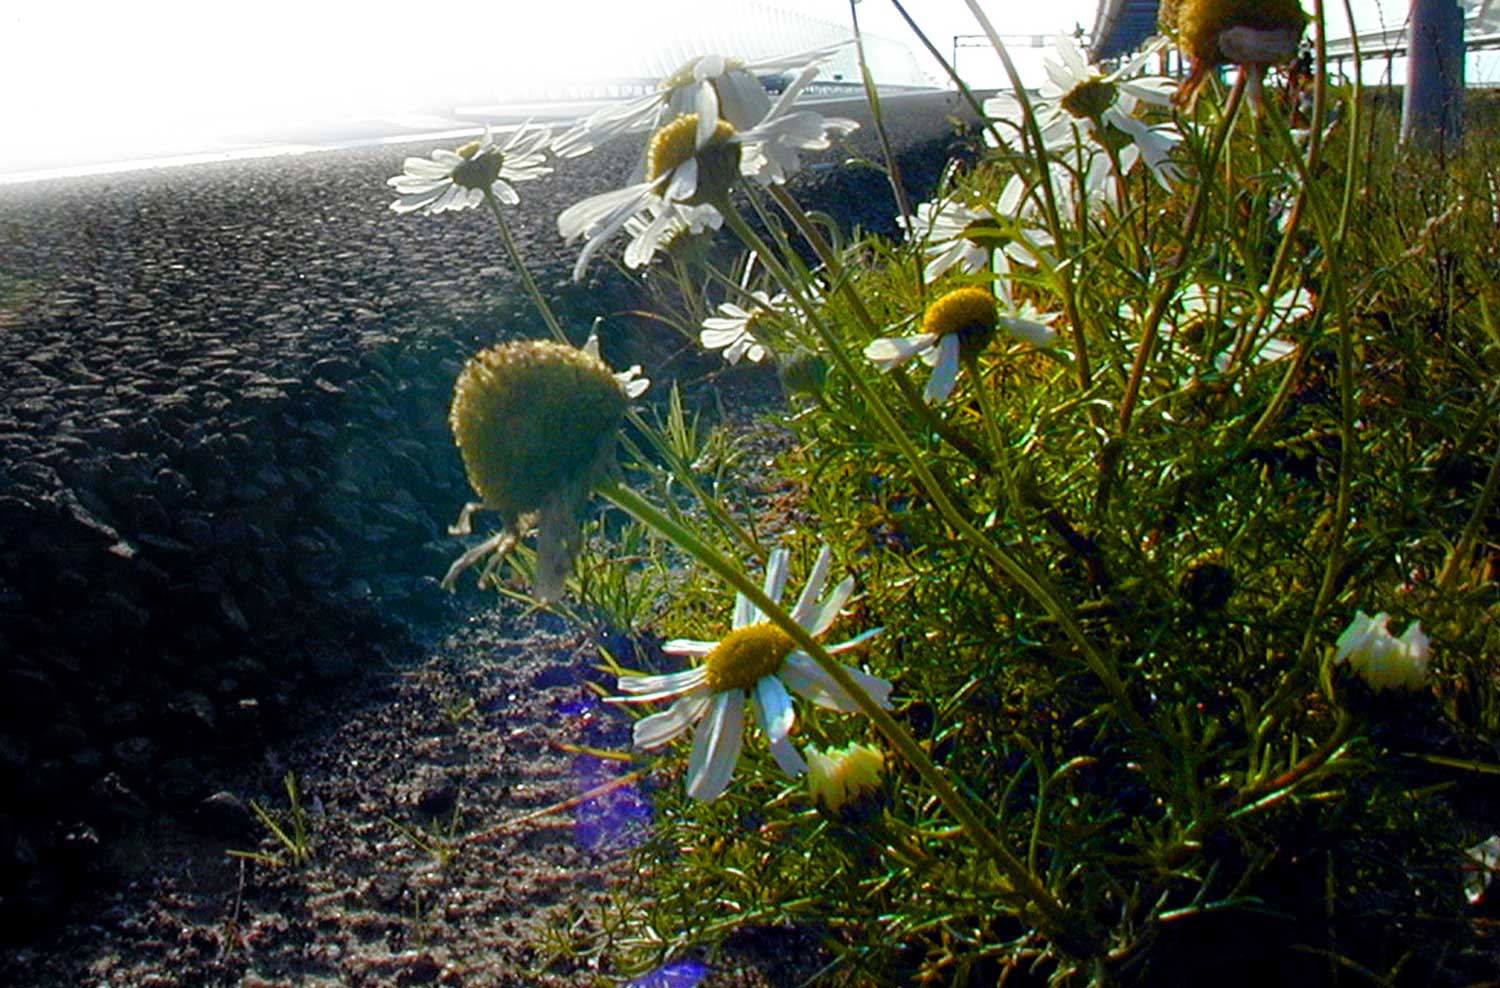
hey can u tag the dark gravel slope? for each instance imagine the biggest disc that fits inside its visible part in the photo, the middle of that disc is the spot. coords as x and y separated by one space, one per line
225 473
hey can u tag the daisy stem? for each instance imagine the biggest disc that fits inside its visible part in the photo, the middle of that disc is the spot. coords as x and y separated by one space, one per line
1001 451
840 279
1066 279
1032 583
1054 915
893 171
553 325
682 473
1115 449
1464 547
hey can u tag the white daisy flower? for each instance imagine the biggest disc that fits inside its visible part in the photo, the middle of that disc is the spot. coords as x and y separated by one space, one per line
955 235
733 330
714 87
453 180
960 323
756 660
1079 98
684 171
1379 657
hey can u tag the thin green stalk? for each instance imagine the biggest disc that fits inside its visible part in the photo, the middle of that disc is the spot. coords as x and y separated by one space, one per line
1001 450
1173 277
553 325
1335 245
1054 915
893 170
683 472
1033 584
1049 195
1464 548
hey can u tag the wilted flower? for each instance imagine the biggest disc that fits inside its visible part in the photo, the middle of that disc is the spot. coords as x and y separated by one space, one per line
959 324
756 660
452 180
1379 658
1252 34
848 783
1482 866
507 406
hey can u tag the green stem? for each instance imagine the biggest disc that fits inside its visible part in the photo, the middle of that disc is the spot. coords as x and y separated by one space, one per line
1040 157
553 325
1459 558
1054 914
684 473
893 171
1173 278
1001 450
1032 584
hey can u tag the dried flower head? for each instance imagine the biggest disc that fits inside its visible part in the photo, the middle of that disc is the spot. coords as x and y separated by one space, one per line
1253 34
535 423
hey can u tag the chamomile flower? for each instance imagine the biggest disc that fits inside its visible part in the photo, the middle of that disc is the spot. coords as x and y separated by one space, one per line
756 661
1381 659
955 235
733 330
453 180
1080 99
713 87
1253 34
959 324
683 170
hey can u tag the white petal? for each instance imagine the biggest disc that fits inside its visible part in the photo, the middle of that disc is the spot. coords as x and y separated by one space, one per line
893 351
776 571
716 746
1035 333
706 105
688 646
713 339
815 581
659 728
854 642
944 371
672 682
819 618
773 709
804 675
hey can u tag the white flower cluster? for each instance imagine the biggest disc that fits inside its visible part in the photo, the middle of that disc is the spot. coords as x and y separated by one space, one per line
1382 660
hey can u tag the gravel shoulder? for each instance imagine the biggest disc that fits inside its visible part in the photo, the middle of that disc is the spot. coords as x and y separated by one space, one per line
444 846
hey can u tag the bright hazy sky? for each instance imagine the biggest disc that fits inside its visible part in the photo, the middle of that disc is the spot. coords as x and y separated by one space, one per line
161 76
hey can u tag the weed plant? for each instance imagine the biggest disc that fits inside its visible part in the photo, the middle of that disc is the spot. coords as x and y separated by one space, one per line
1202 385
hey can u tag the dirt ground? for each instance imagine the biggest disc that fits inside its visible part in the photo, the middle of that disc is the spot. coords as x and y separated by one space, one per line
447 844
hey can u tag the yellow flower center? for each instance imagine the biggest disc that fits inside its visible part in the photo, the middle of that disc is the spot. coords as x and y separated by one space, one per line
968 313
1089 100
676 143
477 171
746 656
